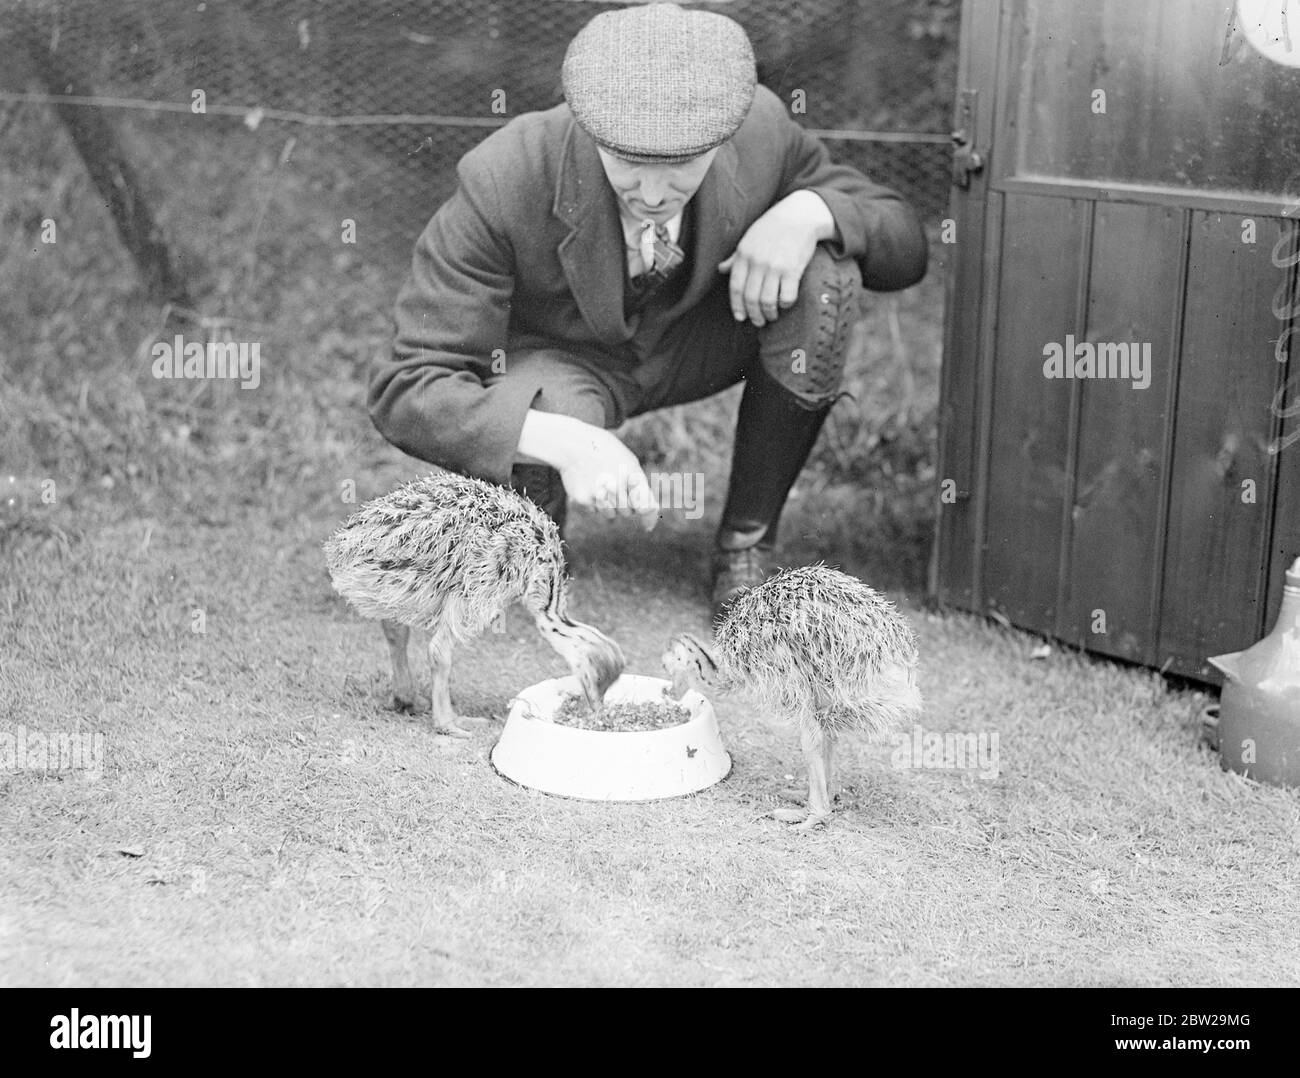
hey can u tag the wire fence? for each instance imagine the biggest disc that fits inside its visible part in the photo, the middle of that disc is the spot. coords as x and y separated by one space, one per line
371 104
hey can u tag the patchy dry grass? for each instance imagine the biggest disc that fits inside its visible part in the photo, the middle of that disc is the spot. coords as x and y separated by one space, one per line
262 819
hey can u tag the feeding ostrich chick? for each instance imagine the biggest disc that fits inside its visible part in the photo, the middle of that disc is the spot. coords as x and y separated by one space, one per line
449 554
820 646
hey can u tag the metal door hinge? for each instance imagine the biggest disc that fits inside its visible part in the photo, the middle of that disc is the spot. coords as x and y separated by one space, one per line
966 160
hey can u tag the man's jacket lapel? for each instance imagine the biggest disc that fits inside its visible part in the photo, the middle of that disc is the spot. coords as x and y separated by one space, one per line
717 204
592 253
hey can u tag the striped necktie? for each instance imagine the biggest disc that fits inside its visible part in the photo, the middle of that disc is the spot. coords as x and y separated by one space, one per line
659 255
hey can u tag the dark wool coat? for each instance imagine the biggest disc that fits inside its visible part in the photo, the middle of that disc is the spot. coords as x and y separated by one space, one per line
529 252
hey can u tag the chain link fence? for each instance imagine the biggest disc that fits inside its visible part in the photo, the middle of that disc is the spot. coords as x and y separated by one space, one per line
360 110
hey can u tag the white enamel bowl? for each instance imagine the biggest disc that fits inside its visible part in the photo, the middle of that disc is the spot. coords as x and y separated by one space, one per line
607 765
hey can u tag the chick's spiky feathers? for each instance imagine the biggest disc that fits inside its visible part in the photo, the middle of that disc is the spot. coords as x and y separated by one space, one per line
447 551
448 554
820 646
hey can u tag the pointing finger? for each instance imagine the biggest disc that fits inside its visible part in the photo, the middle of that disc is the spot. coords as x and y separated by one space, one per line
736 289
768 296
753 292
789 290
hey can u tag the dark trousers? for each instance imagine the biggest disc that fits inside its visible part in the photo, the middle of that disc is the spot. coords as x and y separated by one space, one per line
792 369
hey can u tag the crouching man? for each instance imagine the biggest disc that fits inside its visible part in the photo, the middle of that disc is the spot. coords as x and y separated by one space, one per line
666 232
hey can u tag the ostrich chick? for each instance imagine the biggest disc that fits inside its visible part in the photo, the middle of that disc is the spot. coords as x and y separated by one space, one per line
820 646
449 554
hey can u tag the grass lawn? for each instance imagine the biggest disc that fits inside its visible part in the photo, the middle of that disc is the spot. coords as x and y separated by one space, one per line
262 818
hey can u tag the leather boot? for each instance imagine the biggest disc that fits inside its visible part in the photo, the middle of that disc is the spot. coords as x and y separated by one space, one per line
775 434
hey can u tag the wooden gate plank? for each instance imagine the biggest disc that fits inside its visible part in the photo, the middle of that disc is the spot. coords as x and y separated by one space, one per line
1041 240
959 413
1218 536
1112 570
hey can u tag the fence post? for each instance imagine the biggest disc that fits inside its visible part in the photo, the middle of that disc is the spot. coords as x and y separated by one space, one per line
109 169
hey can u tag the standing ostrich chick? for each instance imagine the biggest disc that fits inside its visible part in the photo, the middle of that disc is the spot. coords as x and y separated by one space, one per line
449 554
820 646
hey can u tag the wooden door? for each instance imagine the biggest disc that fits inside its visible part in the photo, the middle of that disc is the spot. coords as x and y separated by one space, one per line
1135 213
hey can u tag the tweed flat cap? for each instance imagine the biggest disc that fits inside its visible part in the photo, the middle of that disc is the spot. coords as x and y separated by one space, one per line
659 84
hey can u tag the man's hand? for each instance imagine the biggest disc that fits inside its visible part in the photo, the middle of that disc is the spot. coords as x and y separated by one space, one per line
769 261
598 471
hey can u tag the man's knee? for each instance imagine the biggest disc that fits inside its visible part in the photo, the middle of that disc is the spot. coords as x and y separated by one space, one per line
805 349
842 275
577 402
567 387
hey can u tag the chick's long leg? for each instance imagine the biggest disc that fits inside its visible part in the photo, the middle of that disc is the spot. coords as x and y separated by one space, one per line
398 636
445 719
816 754
798 796
828 757
817 746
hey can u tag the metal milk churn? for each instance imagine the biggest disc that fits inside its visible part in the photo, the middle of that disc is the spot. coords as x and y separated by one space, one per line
1259 710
